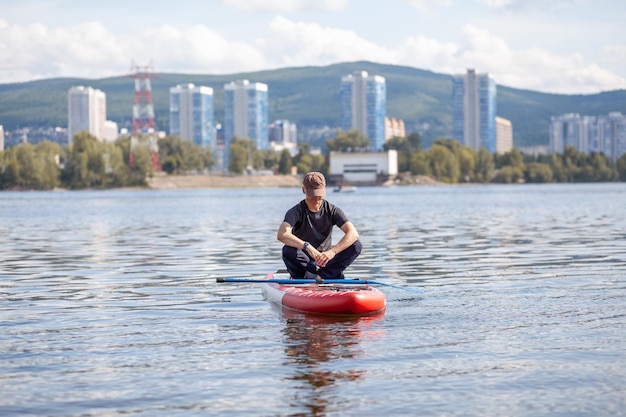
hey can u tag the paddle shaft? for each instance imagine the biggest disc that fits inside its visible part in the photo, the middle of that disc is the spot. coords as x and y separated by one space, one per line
296 281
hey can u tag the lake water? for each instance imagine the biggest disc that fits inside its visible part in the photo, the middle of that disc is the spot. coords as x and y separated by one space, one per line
109 305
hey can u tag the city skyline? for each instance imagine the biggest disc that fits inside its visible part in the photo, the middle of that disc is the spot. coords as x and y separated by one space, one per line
474 110
565 46
605 134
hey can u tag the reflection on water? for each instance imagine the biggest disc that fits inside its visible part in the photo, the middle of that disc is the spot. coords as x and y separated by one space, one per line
312 344
109 305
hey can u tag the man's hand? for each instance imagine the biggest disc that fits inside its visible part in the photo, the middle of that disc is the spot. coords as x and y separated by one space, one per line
324 257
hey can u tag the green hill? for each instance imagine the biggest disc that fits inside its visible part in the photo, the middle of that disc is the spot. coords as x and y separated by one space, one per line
309 96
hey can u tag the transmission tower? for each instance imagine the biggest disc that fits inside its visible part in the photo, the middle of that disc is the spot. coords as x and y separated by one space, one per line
144 132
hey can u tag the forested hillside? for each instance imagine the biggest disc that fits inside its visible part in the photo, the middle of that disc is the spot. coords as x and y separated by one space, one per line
309 96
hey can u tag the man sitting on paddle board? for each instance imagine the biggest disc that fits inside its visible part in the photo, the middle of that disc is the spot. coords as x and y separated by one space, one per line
306 232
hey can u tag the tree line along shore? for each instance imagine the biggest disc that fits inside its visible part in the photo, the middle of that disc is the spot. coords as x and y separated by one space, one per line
88 163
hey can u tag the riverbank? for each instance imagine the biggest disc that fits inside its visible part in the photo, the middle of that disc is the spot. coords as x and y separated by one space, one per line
169 182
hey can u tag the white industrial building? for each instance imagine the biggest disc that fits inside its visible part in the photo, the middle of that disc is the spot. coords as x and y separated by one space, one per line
363 168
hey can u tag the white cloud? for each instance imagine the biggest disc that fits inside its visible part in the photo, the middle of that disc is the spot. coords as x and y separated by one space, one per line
286 6
196 49
532 68
90 50
499 4
297 44
429 6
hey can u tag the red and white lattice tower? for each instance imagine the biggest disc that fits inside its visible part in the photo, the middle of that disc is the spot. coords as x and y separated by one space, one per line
143 115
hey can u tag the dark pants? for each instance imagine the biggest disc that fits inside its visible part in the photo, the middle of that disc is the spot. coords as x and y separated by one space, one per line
300 265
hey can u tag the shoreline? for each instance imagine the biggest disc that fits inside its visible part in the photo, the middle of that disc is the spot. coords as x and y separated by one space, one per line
171 182
175 182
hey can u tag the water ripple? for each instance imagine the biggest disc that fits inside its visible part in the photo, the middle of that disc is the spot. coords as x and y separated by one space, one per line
108 305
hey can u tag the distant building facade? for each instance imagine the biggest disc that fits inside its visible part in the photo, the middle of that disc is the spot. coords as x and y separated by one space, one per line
394 128
111 131
283 132
504 135
245 114
474 110
364 106
191 114
605 134
86 111
366 168
283 135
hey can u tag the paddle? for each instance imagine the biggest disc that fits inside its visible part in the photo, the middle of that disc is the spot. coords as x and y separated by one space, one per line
312 281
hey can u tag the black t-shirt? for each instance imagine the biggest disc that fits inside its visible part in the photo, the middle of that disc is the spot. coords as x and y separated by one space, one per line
315 227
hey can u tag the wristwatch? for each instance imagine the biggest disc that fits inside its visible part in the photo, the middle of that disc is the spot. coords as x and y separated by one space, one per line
306 244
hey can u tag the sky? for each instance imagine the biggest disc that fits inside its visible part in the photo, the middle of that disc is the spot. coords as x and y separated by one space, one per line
552 46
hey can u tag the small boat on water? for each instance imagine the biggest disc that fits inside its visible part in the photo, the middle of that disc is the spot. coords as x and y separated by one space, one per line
338 299
344 189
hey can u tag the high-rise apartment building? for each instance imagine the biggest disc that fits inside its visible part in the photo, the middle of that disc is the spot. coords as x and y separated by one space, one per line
364 106
245 114
504 135
474 110
191 114
604 134
86 110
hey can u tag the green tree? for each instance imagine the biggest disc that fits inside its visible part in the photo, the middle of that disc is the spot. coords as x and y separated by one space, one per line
558 169
116 170
621 167
467 164
538 172
599 169
350 141
508 174
241 153
85 166
49 156
403 146
415 142
485 166
512 158
179 155
285 163
305 164
572 164
420 164
30 169
444 164
266 159
318 163
141 166
305 161
9 169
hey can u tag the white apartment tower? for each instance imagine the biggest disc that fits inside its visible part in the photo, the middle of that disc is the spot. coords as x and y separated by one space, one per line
86 111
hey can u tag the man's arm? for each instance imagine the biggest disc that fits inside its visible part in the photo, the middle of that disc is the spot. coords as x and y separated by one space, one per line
349 237
286 236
